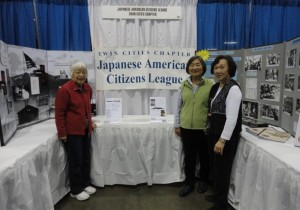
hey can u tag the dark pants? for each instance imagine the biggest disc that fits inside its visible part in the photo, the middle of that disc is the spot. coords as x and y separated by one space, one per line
195 145
78 150
222 165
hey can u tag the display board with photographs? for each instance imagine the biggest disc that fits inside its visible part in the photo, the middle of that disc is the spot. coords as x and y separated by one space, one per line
29 82
263 76
269 77
8 124
291 86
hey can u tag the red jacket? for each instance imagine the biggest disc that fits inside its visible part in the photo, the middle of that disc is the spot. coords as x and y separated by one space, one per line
72 108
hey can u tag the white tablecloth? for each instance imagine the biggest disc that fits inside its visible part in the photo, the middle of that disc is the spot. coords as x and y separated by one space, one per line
136 151
32 169
266 175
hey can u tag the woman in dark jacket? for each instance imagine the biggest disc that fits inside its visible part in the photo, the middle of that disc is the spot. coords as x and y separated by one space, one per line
224 127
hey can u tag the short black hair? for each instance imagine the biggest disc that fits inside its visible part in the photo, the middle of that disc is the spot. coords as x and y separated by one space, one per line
195 57
231 64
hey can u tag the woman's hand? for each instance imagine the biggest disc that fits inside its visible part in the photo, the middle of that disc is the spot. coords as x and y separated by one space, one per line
63 139
94 125
177 131
219 146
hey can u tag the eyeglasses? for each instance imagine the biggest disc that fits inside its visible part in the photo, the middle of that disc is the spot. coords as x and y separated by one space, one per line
80 72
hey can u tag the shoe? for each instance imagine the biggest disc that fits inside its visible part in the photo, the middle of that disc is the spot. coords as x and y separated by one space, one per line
90 190
215 207
202 187
229 207
210 198
81 196
185 190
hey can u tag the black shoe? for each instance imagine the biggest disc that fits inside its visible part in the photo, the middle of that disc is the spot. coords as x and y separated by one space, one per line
229 207
216 207
202 187
185 190
210 198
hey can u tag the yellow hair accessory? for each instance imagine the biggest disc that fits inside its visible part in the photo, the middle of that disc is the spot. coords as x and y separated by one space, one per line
204 54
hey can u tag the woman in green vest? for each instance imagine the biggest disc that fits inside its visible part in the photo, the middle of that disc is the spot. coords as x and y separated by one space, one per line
190 124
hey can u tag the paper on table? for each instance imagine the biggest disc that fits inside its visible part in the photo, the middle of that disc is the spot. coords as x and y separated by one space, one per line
269 133
157 108
113 109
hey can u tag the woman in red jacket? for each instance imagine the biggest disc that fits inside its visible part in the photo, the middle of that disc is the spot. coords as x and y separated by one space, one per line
74 126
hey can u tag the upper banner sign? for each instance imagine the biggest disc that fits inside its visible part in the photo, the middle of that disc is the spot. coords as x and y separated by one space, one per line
141 67
140 12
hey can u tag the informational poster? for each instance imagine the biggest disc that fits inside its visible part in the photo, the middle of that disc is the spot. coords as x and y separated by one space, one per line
35 86
141 67
157 108
140 12
291 86
263 85
251 88
113 110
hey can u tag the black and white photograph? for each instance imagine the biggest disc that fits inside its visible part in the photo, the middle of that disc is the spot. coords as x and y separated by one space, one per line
29 80
271 75
270 112
298 87
299 60
298 105
289 82
270 92
246 108
288 105
250 109
291 58
272 59
253 110
253 63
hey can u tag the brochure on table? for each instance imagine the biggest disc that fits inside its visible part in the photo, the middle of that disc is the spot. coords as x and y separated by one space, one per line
269 133
113 109
158 109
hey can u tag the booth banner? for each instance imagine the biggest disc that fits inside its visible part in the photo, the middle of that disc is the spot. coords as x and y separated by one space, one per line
141 67
140 12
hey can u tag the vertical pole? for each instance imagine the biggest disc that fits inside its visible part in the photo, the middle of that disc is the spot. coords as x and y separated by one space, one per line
250 24
36 25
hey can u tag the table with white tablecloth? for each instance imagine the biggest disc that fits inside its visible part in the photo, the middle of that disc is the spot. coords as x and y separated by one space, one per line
266 175
33 169
136 150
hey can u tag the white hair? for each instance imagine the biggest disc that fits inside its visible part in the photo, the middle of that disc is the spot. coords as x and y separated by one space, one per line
78 66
